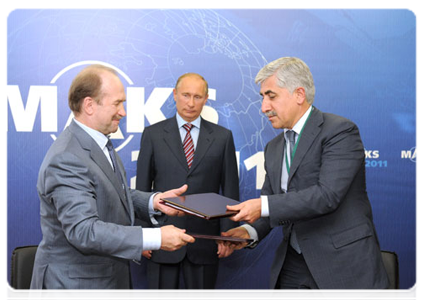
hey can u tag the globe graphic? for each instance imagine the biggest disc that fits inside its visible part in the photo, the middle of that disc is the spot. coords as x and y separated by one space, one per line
161 45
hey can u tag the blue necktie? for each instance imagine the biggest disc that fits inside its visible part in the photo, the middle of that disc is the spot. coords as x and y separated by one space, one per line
111 149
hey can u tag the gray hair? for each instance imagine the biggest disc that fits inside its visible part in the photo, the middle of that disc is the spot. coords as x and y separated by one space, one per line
291 73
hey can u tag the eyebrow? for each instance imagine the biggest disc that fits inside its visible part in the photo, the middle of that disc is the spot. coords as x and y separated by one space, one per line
268 92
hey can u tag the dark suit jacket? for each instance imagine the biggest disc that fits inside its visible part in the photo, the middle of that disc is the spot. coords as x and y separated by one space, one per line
86 218
162 166
327 203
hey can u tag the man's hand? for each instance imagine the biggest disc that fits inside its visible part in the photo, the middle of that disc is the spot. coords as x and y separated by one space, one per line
249 211
224 249
158 205
239 232
147 253
174 238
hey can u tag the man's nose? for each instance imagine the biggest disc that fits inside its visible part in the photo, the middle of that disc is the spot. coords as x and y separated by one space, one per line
265 106
122 111
191 101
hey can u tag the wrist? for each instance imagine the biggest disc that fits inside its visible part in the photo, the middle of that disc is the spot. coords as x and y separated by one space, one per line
156 199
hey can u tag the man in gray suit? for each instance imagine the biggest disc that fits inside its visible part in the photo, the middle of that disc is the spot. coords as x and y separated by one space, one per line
314 188
87 210
209 165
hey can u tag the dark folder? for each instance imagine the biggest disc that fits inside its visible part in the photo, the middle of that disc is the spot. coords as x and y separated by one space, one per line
220 238
207 205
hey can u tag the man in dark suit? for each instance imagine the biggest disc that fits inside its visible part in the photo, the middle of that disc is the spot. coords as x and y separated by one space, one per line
162 163
314 188
87 210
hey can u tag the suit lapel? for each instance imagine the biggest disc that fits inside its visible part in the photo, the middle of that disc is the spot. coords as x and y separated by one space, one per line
205 139
97 155
125 200
311 130
276 164
172 138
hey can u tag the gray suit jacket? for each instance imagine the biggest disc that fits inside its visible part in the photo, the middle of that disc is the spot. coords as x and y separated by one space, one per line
86 218
326 203
162 166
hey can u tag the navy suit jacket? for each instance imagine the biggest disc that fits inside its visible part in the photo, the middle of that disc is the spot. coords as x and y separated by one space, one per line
327 204
162 166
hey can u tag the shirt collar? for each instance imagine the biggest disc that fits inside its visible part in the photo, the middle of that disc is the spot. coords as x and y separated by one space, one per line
181 121
301 122
97 136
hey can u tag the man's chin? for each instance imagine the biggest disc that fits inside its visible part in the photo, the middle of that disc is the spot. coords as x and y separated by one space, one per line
274 124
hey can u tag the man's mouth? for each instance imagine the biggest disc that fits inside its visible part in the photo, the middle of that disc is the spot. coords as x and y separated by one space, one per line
270 114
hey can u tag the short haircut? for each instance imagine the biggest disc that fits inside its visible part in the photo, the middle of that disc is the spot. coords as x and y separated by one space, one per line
192 75
291 73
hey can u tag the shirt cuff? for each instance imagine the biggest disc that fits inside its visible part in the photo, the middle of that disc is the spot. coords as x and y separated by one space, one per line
264 206
153 213
253 235
151 239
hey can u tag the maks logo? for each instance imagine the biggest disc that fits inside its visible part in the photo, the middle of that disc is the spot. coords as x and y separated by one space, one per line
138 109
409 154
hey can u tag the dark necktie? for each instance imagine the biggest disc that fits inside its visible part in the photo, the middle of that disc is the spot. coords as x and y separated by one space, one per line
290 135
188 145
111 149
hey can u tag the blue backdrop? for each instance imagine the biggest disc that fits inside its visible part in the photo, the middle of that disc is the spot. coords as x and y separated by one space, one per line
364 67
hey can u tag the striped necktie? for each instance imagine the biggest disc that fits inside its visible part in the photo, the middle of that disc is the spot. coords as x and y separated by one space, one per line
188 145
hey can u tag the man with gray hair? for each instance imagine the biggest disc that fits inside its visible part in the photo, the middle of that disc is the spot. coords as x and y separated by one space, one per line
314 188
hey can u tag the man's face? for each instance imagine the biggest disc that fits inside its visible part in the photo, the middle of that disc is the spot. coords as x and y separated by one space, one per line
190 97
110 109
279 105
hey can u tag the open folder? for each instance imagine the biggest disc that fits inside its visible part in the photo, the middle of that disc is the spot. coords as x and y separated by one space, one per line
207 205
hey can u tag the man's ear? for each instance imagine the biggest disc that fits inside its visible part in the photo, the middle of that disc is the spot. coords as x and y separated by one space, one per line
174 94
88 105
300 95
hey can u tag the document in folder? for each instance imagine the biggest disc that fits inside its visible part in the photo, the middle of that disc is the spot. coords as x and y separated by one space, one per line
207 205
220 238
